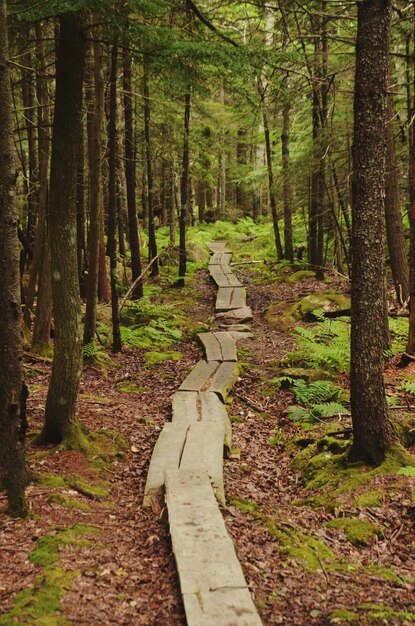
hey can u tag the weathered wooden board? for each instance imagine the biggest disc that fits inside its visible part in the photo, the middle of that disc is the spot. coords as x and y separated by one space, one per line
211 578
218 346
189 407
214 410
224 379
235 316
220 258
204 452
230 298
166 455
200 376
218 246
221 607
222 279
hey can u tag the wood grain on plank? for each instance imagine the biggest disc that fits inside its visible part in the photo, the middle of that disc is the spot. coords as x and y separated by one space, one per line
218 246
221 278
224 379
200 376
230 298
218 346
220 258
205 555
166 455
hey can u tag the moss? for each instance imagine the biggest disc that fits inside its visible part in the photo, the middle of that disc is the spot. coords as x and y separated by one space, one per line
93 492
153 358
279 316
246 506
359 532
387 574
40 605
69 503
308 308
380 611
312 553
340 616
331 444
50 480
300 275
309 374
370 499
129 386
404 424
95 399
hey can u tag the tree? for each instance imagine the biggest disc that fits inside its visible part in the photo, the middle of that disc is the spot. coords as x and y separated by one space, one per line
60 421
12 391
373 434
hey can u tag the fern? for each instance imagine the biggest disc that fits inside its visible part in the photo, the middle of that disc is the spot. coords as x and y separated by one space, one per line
407 471
318 391
95 354
314 412
325 346
408 386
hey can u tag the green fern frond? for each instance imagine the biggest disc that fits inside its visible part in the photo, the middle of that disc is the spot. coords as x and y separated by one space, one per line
328 409
318 391
408 386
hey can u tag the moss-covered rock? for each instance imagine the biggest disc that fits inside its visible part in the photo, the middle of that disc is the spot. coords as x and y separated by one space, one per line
300 275
358 531
153 358
311 307
372 498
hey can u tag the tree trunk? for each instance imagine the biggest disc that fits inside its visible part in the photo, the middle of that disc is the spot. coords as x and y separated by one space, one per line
184 197
60 421
372 430
393 214
112 200
286 183
96 97
152 244
277 236
13 392
130 174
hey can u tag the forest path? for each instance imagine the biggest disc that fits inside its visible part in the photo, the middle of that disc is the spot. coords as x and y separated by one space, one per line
187 464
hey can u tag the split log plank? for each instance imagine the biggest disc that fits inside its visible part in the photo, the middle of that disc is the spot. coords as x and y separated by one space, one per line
224 379
218 346
166 455
222 279
200 376
230 298
211 578
218 246
203 452
235 316
190 407
220 258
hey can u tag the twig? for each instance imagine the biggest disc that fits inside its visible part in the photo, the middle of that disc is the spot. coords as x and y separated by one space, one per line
137 280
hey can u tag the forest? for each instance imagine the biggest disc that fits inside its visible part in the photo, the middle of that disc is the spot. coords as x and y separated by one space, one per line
207 312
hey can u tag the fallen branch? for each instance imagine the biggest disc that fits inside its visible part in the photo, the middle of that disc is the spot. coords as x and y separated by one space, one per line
143 273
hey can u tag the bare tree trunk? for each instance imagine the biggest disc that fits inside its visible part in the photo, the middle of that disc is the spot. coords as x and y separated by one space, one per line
60 419
112 200
152 244
96 96
277 236
286 183
13 392
373 434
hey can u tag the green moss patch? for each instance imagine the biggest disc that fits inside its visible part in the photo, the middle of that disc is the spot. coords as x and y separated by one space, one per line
310 308
343 616
129 386
153 358
370 499
359 532
68 503
380 611
300 275
40 605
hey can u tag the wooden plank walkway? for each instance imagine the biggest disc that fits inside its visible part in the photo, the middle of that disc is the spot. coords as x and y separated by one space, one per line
187 467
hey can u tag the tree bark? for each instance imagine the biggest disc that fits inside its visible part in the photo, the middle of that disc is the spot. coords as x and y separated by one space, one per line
277 236
112 200
152 244
286 183
393 214
373 434
60 421
12 391
130 174
184 196
95 118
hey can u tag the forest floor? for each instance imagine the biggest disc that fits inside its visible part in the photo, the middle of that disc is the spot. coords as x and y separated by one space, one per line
319 544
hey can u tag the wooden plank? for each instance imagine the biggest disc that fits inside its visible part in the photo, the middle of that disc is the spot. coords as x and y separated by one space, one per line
211 346
221 607
235 316
212 410
200 376
186 407
218 246
211 577
230 298
227 346
166 455
224 379
222 279
203 452
218 346
220 258
189 407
